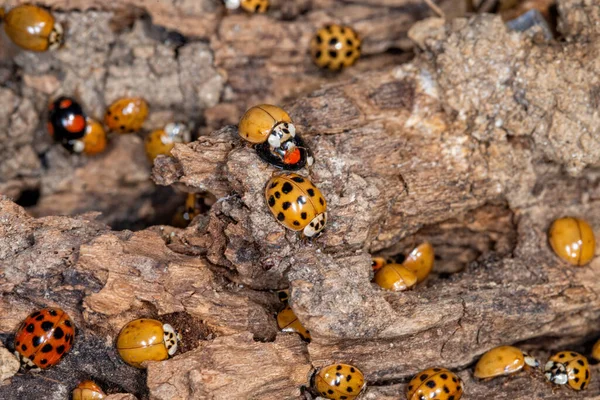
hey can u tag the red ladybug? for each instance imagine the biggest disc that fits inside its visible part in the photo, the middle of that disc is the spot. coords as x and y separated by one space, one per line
44 337
66 120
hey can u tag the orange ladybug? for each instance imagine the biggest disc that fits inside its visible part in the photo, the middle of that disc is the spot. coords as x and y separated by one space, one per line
126 115
435 383
420 261
395 277
335 47
503 360
339 382
32 28
44 338
568 368
572 239
88 390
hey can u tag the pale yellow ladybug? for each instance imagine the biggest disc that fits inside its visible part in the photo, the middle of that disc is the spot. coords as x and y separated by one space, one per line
297 204
264 123
503 360
146 340
162 141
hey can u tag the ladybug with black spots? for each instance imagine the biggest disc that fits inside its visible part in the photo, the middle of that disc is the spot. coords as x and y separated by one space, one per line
568 368
297 204
339 382
44 338
435 383
66 120
126 115
147 339
287 321
335 47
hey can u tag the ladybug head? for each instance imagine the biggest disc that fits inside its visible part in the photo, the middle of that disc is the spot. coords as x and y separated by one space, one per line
281 133
56 38
316 226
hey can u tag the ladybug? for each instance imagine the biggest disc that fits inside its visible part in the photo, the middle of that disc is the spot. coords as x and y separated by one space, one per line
378 263
503 360
288 322
66 120
339 382
146 340
335 47
596 351
420 261
88 390
255 6
126 115
44 338
297 204
572 239
395 277
438 383
568 367
162 141
33 28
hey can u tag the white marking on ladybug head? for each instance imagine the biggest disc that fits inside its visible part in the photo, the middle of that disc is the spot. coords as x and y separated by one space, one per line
531 361
281 133
232 4
171 338
78 146
316 226
55 40
556 373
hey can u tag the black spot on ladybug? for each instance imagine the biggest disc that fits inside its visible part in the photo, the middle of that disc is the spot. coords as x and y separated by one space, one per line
60 349
454 380
332 53
47 326
587 374
277 194
257 8
286 205
352 370
329 391
573 354
36 341
576 371
446 389
122 127
580 362
410 387
338 368
53 312
343 397
561 355
430 384
287 187
301 200
280 216
109 113
319 39
583 385
47 348
30 328
271 201
58 333
451 398
321 201
17 343
39 318
349 42
348 378
444 376
303 215
349 53
328 27
296 223
43 361
310 192
23 347
333 41
35 314
349 389
423 377
298 179
576 380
